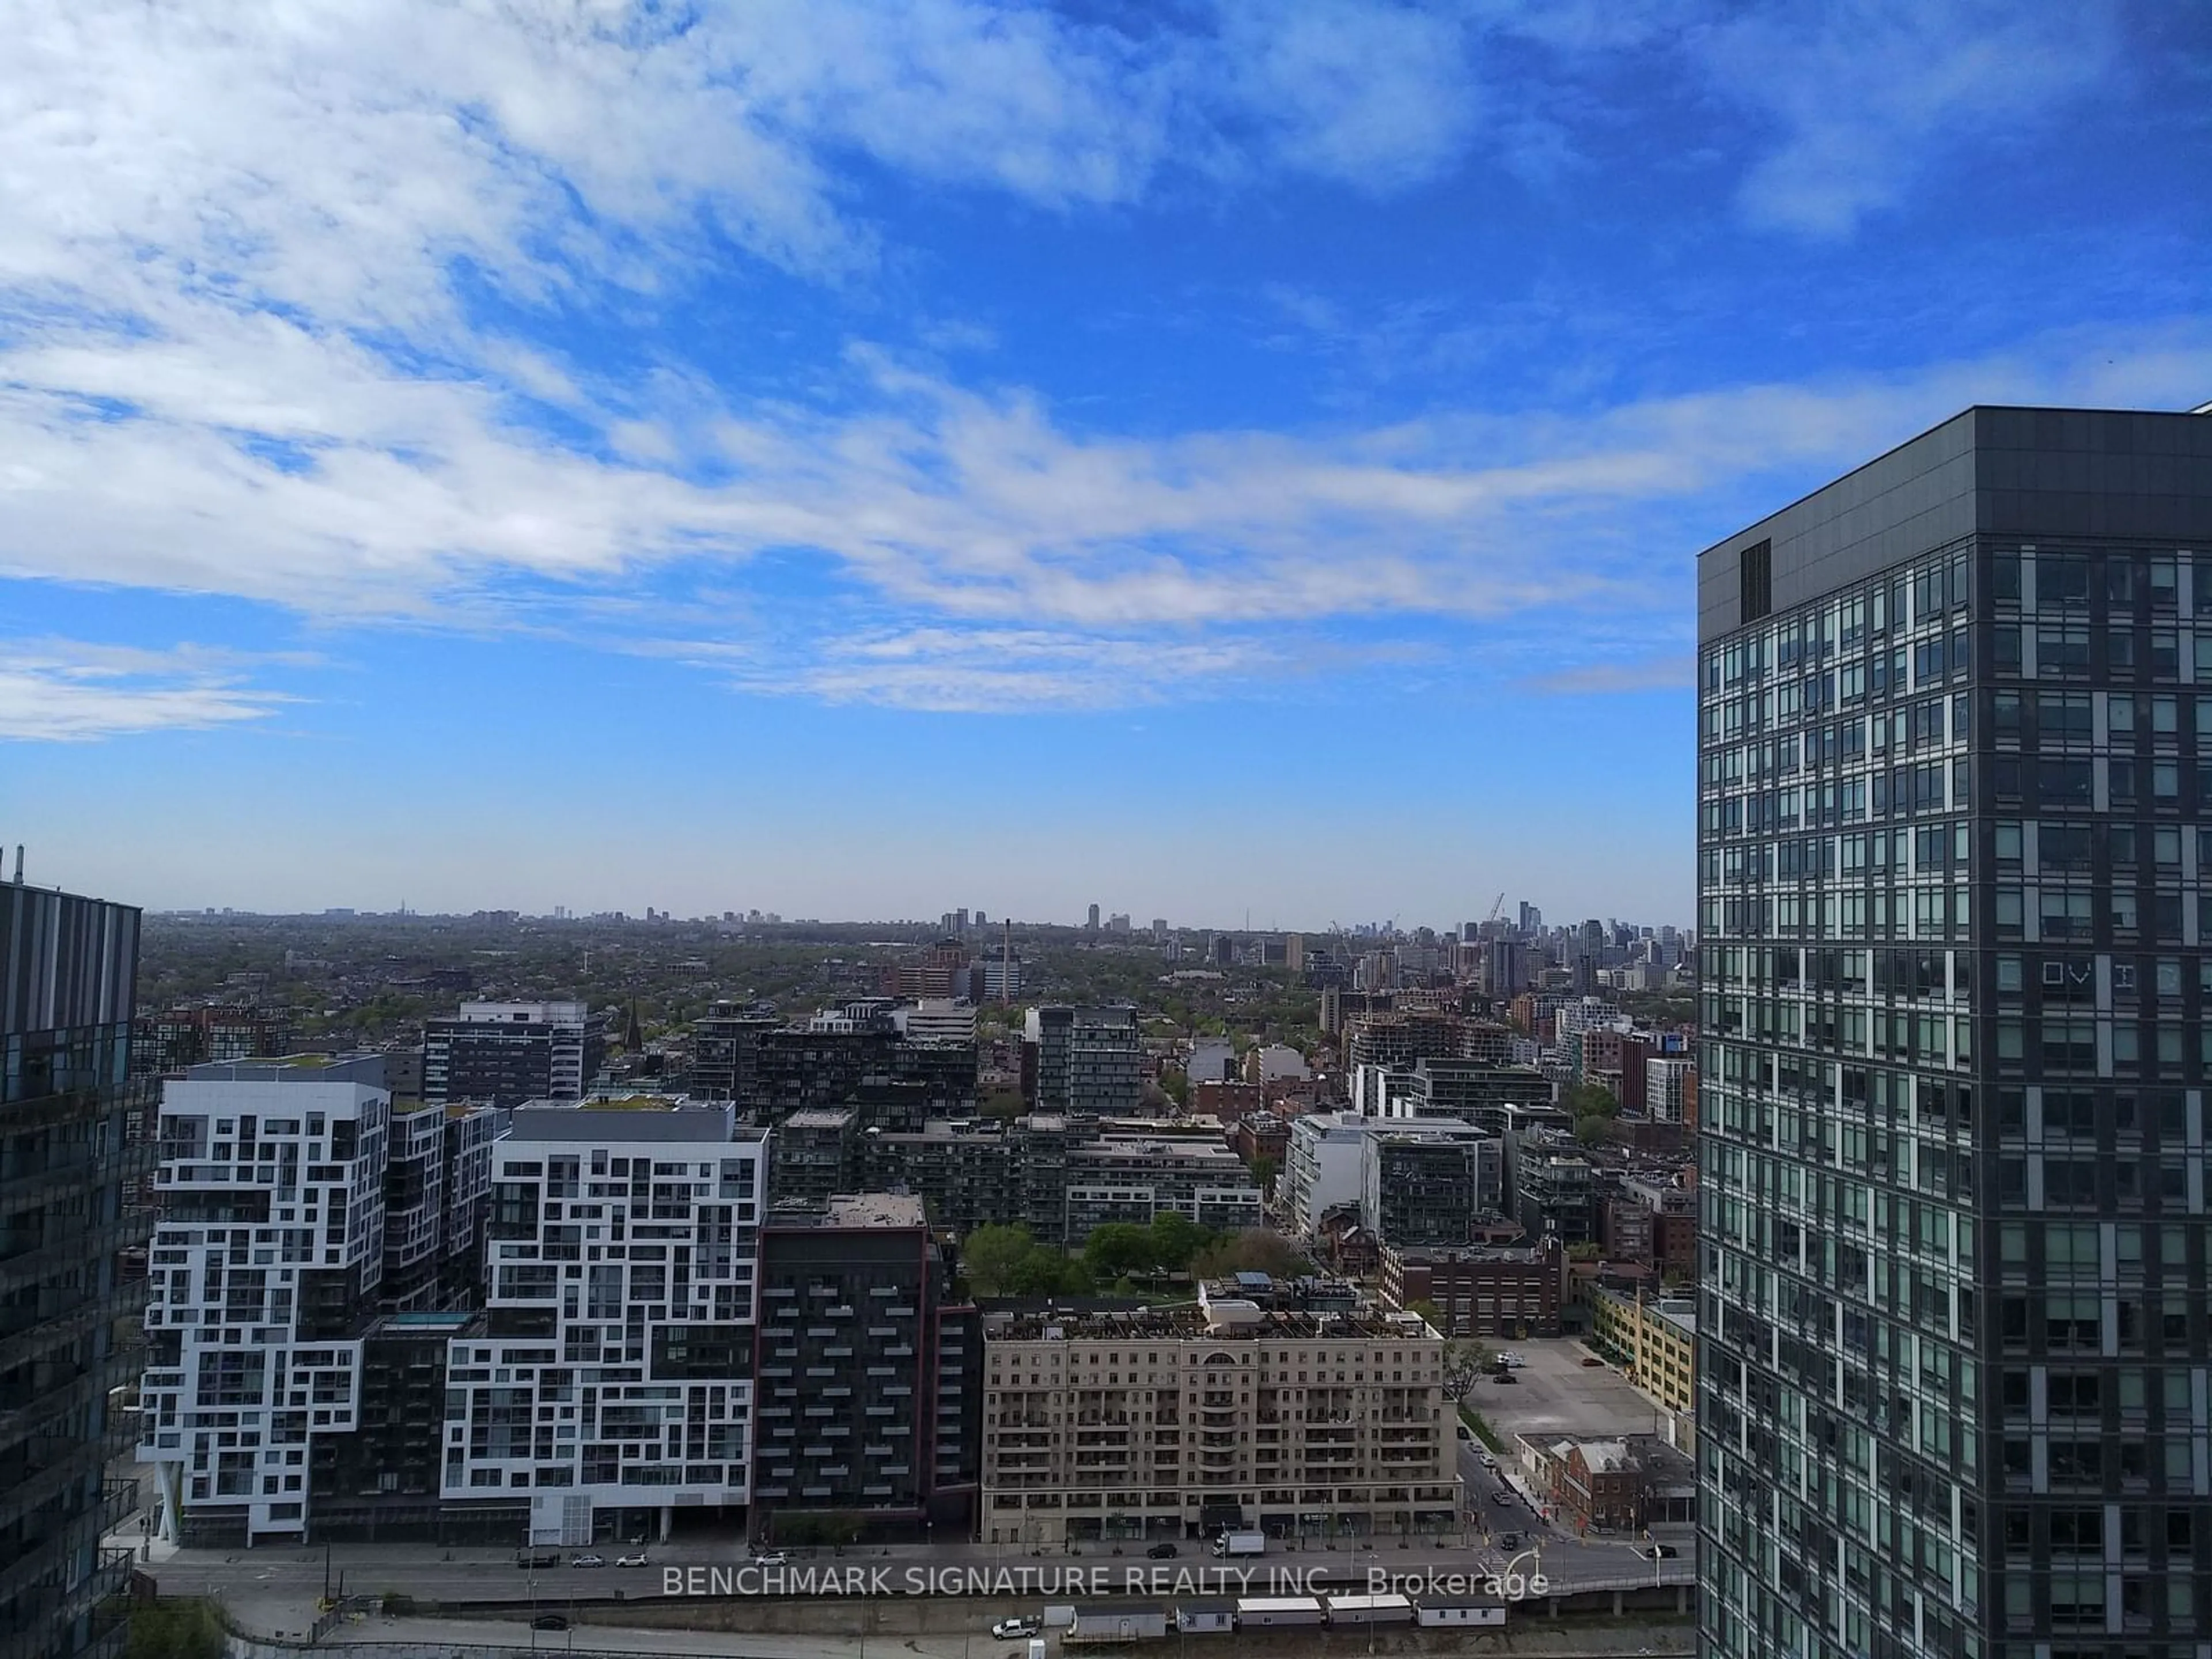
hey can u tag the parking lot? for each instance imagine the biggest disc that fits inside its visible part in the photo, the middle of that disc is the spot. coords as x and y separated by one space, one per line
1556 1396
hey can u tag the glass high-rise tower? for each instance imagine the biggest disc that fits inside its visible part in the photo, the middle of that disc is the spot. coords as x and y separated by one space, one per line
69 1173
1954 888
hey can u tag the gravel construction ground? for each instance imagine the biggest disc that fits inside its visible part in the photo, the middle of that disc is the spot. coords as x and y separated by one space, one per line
1558 1397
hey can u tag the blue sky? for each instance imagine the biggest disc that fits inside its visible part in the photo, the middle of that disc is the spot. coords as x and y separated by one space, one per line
861 460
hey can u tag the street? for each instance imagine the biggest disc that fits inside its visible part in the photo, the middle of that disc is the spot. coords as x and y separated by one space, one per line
275 1590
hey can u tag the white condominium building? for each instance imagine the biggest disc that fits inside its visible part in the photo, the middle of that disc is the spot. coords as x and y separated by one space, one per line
614 1384
260 1279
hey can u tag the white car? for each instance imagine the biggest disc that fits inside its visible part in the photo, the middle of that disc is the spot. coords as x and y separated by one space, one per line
1012 1629
636 1560
769 1558
1511 1361
587 1561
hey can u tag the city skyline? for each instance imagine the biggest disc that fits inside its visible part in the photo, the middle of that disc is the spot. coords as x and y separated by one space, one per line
471 470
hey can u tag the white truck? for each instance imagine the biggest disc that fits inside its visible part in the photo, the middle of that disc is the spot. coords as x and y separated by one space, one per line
1241 1543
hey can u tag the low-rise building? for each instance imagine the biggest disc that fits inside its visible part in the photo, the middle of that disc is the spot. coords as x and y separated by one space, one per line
1248 1411
816 1154
1127 1178
1321 1167
503 1054
1655 1341
1482 1291
1429 1183
1598 1485
1554 1186
1670 1088
1090 1060
936 1019
172 1041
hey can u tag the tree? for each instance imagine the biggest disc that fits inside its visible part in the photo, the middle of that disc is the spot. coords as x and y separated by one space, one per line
1177 1083
1254 1250
1264 1171
1176 1239
1465 1357
994 1255
1593 1130
1038 1273
1591 1100
1117 1249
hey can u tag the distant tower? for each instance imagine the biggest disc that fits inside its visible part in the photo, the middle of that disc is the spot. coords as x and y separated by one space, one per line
1094 919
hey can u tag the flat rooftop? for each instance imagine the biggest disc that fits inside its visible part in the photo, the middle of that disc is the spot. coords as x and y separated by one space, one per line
1188 1321
673 1118
1420 1255
852 1210
367 1068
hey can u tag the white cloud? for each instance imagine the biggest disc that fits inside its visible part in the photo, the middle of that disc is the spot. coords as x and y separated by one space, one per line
72 691
1861 91
234 358
1652 674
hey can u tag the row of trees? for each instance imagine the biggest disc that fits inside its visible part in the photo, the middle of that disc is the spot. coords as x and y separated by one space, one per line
1594 1109
1008 1260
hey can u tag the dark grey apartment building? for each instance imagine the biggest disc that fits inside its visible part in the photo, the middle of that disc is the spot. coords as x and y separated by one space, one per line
69 1173
867 1406
1090 1061
1954 888
507 1053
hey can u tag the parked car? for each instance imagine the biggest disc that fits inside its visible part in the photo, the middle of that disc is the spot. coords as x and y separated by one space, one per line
1012 1629
1510 1361
635 1561
769 1558
587 1560
1162 1551
1501 1497
1660 1552
549 1621
1506 1377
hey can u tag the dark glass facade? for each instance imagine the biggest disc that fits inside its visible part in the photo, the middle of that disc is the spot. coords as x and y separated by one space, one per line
70 1266
1954 752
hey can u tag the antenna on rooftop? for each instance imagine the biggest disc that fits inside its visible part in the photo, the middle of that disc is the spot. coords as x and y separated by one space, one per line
19 864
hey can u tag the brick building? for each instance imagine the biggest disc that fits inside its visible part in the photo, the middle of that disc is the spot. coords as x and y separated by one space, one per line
1482 1291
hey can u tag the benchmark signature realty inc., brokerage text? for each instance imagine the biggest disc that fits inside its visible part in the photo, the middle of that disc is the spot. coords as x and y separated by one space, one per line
829 1579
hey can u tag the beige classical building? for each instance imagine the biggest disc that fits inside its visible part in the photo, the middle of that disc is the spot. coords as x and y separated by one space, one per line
1297 1412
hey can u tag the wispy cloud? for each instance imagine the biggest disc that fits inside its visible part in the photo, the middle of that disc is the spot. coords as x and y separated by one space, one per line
74 691
238 354
1860 92
1675 673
